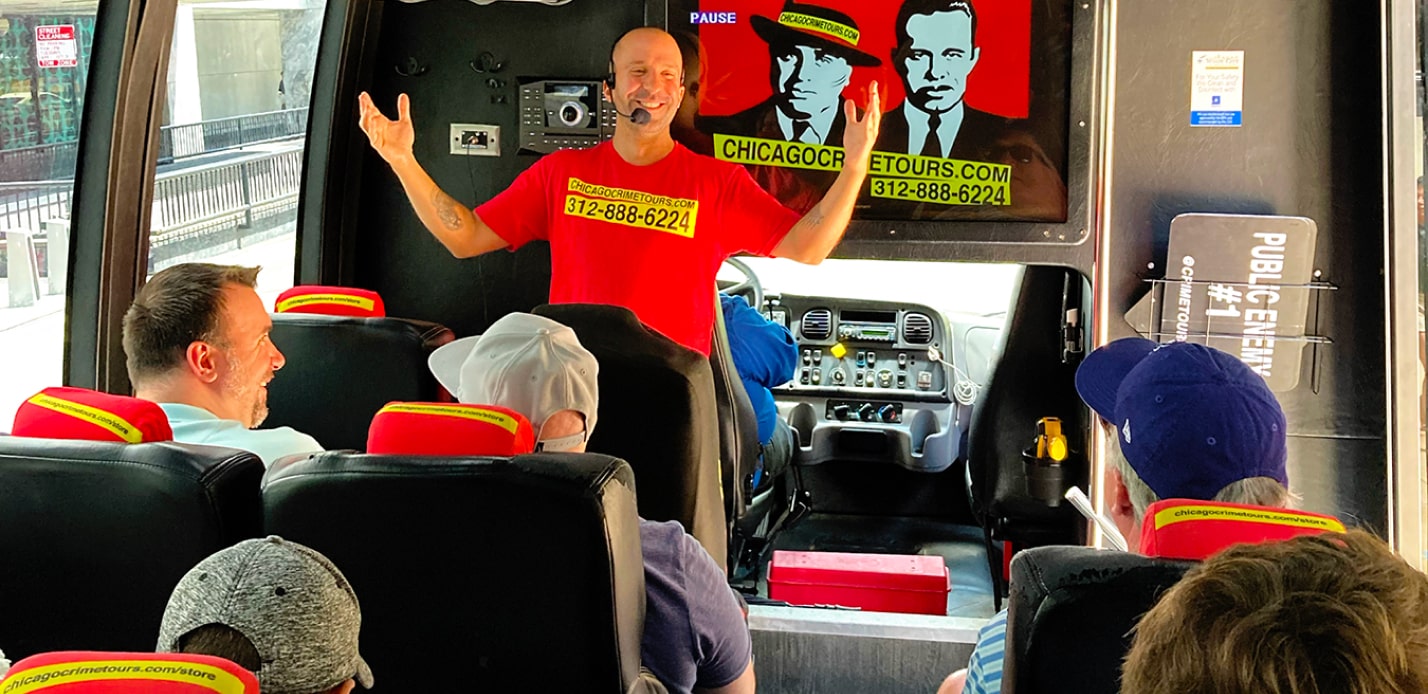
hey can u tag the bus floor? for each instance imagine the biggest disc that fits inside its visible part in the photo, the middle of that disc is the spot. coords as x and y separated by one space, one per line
960 546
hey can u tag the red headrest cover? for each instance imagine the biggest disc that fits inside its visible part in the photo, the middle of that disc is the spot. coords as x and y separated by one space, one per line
430 428
331 301
89 672
80 413
1186 529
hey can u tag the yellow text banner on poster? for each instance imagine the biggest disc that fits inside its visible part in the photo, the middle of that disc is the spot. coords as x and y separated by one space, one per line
896 176
790 155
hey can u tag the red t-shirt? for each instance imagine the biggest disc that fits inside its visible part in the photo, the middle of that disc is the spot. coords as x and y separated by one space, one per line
649 238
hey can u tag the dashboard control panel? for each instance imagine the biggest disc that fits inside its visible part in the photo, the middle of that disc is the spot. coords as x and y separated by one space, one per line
895 369
866 345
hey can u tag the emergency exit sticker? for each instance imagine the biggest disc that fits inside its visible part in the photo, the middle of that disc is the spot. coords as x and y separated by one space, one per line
1217 83
55 46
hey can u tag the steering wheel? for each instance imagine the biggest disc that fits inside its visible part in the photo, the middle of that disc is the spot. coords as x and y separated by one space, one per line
750 288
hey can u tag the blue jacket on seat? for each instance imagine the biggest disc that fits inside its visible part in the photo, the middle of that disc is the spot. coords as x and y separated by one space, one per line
764 354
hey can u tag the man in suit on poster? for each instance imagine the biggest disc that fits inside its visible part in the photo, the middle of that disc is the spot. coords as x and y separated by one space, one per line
936 50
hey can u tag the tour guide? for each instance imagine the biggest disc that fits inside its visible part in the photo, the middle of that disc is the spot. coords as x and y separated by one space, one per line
640 221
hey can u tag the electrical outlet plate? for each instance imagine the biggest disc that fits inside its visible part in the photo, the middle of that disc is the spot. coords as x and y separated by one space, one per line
476 139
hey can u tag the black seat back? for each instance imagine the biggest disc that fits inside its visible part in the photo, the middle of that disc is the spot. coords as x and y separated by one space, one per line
738 424
478 574
94 536
341 370
657 411
1071 613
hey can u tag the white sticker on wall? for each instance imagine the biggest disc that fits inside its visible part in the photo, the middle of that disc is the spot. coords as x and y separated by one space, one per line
1217 88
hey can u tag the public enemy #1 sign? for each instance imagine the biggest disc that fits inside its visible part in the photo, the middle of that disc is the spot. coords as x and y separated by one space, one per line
1238 283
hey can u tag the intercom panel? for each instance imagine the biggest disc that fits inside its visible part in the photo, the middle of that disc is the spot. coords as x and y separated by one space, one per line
564 114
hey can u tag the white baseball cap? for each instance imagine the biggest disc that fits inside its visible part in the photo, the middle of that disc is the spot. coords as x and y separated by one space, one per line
529 363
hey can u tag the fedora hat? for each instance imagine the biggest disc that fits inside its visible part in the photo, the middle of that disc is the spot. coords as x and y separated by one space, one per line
811 25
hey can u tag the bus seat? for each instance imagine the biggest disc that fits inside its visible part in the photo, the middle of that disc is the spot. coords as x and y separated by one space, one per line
524 571
95 534
1070 615
657 411
103 672
1190 529
1072 608
434 428
89 415
341 368
331 301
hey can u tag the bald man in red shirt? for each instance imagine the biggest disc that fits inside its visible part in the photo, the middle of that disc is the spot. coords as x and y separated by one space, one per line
638 221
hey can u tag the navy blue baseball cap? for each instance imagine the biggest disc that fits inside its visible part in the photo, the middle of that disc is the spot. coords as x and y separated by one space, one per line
1191 419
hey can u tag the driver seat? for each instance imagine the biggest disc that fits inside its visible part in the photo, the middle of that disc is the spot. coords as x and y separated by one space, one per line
739 450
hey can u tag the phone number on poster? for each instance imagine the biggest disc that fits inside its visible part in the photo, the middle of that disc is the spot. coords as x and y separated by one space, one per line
644 216
941 192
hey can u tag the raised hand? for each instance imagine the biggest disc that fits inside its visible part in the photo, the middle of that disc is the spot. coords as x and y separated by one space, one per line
391 138
859 135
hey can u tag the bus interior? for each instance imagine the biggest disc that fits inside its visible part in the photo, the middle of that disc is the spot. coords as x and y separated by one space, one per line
138 135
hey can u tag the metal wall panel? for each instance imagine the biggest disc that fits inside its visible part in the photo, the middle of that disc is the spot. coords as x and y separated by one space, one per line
1309 146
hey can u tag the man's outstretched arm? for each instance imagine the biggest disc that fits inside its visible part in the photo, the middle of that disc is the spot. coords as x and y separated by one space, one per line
813 237
452 223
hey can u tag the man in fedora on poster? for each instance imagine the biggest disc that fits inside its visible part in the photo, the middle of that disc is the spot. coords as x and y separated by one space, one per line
812 53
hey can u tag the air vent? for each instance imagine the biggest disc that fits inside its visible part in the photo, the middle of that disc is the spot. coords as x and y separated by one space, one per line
917 329
817 324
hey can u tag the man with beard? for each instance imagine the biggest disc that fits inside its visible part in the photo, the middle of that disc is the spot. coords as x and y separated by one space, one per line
196 341
936 50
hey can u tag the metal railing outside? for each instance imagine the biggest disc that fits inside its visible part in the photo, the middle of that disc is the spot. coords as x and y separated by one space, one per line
39 163
211 207
179 141
27 205
57 160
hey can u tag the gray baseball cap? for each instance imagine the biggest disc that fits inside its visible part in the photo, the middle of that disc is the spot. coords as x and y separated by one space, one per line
529 363
290 601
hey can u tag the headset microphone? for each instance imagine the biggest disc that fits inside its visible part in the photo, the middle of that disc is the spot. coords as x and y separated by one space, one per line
639 116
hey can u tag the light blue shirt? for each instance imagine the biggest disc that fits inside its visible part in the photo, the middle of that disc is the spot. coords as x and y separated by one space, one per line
984 671
197 425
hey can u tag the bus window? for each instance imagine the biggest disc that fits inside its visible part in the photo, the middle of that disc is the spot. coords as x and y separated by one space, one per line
44 63
231 144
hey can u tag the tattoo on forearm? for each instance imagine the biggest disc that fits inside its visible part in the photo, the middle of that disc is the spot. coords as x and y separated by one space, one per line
447 208
815 216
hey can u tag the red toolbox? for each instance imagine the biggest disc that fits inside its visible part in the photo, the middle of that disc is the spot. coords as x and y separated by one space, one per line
875 582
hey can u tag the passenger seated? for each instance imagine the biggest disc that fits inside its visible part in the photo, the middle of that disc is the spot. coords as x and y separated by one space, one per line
765 356
1324 614
276 608
196 340
695 637
1190 422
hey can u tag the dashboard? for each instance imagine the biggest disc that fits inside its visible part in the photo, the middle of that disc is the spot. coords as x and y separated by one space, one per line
882 382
